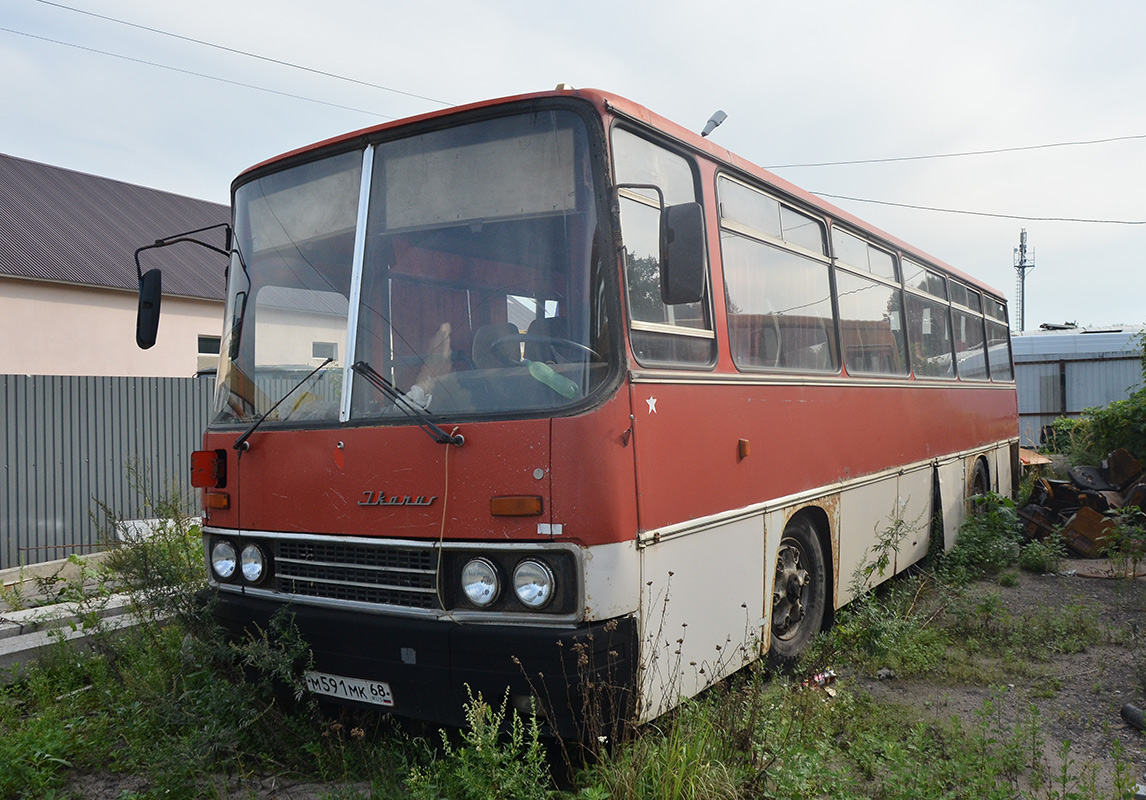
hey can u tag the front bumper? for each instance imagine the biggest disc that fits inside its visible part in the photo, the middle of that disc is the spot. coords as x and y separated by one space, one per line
580 677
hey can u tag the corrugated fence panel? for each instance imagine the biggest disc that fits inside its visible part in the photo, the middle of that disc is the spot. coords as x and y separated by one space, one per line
72 443
1068 384
1098 383
1038 387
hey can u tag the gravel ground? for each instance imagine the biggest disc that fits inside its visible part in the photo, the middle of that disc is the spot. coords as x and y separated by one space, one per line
1092 686
1095 684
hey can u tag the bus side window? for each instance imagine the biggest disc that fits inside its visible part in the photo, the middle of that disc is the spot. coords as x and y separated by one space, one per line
678 334
970 339
777 287
871 307
928 322
998 341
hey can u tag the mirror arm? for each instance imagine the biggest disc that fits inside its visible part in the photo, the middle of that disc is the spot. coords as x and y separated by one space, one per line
185 237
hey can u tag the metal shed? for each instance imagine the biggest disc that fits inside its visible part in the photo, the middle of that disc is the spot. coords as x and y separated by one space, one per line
1061 372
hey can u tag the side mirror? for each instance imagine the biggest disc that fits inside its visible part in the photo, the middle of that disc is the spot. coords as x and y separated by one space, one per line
240 310
682 253
147 318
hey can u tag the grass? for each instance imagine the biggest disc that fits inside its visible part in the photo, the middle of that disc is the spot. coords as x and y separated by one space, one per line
191 715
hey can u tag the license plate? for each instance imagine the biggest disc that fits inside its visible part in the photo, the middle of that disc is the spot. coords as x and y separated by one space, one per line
344 688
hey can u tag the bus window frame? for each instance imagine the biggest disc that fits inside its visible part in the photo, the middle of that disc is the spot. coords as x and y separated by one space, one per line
896 284
766 239
1001 319
707 307
598 160
946 306
968 309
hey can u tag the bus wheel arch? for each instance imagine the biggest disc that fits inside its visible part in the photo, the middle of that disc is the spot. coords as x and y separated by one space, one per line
801 587
936 539
979 483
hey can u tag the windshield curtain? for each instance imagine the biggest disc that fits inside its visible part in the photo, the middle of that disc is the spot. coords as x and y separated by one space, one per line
481 289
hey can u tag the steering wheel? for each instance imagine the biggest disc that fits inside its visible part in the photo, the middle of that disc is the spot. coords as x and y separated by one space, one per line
496 347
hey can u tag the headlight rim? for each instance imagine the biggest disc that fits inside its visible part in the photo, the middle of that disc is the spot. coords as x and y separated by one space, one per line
264 563
495 575
214 560
547 571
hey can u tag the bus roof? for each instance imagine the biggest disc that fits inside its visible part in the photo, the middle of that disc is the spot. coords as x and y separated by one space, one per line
612 104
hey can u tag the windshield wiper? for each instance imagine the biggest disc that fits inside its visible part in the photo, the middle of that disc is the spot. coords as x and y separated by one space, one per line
241 443
407 406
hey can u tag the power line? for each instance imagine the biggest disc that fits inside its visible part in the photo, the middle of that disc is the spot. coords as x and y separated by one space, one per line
961 155
982 213
195 74
236 51
444 103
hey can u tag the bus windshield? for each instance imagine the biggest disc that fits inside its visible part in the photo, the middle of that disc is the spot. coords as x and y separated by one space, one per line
459 267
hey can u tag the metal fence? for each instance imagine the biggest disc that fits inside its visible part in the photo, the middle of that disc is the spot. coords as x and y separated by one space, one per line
72 443
1063 373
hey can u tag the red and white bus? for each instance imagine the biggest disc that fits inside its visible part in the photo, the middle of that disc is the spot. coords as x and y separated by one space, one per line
547 393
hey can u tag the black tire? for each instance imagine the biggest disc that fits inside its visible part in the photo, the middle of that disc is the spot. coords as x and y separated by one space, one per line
980 481
980 485
799 594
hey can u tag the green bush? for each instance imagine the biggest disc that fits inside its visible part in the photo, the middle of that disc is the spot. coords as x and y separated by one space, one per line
1073 437
988 541
1099 431
1043 557
1120 424
886 628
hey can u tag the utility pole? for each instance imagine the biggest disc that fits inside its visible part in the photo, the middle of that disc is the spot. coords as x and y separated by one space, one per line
1024 261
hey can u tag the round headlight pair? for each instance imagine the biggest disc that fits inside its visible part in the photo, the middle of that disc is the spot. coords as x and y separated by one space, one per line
533 583
224 561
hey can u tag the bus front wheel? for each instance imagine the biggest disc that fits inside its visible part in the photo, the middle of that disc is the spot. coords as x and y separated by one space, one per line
798 593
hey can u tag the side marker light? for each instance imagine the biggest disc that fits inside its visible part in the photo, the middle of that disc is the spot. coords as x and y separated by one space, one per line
516 506
218 501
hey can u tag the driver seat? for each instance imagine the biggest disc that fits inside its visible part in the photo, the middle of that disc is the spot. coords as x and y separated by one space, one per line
546 328
483 346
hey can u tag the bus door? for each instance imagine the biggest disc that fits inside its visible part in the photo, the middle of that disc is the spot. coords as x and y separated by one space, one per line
699 619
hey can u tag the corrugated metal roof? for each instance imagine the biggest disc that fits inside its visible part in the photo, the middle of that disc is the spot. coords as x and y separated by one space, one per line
60 225
1083 342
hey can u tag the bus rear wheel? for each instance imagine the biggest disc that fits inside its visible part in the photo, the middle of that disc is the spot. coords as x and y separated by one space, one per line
799 593
980 481
980 485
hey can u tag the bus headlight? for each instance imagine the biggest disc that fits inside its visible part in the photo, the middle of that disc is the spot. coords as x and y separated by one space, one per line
533 583
253 563
480 582
223 559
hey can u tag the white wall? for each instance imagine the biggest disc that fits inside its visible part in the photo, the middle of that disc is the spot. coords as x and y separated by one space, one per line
63 329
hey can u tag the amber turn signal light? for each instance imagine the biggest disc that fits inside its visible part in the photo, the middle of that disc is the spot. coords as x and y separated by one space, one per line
515 506
218 501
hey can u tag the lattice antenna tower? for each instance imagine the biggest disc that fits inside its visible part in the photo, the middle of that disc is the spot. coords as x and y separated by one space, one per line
1024 263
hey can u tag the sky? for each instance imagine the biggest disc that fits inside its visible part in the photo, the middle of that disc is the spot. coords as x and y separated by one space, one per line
802 83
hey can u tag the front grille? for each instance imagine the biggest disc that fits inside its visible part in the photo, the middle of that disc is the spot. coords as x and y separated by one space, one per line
365 573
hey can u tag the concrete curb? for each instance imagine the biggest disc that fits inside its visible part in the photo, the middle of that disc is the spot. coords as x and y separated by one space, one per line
25 577
25 636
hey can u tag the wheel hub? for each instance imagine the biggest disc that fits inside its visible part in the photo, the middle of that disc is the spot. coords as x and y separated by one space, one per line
788 591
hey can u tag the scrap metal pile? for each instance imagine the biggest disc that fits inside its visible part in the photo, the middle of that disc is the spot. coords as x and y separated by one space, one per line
1078 508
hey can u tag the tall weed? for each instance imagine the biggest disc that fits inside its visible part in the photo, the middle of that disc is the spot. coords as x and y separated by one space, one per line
486 767
1126 544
